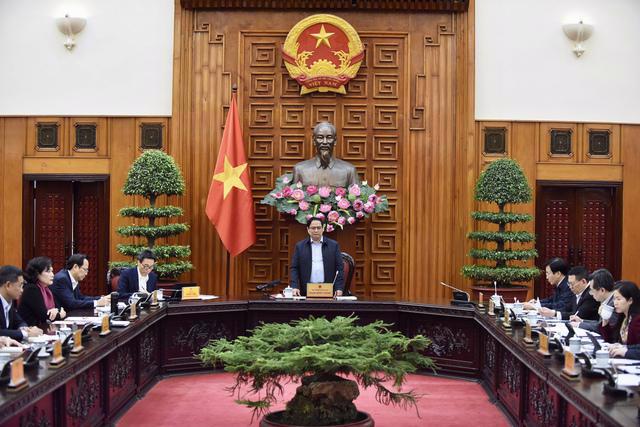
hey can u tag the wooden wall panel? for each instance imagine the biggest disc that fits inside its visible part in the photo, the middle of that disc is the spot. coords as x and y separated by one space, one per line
528 143
416 158
12 139
630 142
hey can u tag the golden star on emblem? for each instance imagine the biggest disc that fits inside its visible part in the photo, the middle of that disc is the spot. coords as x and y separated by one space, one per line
231 177
322 37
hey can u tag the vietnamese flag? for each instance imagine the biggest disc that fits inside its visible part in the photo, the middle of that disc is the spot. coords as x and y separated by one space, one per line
230 202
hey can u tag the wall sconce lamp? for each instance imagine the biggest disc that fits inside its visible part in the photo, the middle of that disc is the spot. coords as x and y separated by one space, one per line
70 27
578 33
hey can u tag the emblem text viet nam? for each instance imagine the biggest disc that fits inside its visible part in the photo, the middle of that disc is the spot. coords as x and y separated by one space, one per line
325 169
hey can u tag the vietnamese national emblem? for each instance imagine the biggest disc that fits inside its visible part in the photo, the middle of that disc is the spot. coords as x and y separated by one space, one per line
322 53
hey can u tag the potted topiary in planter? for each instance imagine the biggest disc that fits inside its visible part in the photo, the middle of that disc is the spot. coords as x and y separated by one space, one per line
152 175
503 183
319 353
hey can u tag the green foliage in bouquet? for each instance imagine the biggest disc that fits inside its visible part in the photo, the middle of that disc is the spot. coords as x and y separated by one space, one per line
154 174
338 205
503 182
318 352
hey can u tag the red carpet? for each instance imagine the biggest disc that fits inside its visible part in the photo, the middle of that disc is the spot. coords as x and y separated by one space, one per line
201 400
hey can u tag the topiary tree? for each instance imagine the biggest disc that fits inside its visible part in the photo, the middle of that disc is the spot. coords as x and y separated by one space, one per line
503 182
317 353
153 174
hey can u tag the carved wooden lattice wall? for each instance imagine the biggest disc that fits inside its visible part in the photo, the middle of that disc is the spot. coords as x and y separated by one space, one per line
278 123
401 123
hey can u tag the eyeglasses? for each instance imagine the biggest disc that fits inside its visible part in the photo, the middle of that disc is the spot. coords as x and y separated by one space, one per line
315 228
147 266
85 269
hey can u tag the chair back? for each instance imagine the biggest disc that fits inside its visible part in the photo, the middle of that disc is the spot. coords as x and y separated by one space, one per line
112 279
349 270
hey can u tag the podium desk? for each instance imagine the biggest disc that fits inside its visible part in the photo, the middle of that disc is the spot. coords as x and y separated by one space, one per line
98 386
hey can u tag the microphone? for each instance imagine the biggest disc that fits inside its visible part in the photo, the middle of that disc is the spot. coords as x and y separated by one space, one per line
114 302
269 285
459 294
335 278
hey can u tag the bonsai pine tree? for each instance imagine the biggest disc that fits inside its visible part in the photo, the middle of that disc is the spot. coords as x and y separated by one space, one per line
153 174
503 182
318 352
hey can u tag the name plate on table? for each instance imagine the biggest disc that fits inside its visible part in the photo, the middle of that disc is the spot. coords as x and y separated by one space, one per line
543 345
319 290
18 382
190 292
569 372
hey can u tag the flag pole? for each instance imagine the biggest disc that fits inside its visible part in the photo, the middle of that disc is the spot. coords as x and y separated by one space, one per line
234 91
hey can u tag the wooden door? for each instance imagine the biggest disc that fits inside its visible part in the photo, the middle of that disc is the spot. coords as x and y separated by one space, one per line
66 217
581 224
51 222
90 227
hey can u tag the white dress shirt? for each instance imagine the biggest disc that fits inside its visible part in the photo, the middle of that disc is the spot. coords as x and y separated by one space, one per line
142 281
317 266
6 306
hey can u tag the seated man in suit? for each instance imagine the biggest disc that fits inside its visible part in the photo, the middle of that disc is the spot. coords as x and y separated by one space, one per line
601 285
583 306
140 278
316 260
66 285
561 299
11 324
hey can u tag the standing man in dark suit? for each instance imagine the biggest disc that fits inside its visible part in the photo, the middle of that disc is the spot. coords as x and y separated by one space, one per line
140 278
11 324
556 271
66 285
583 305
316 260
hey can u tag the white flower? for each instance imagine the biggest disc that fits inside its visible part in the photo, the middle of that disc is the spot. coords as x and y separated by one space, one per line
364 182
376 187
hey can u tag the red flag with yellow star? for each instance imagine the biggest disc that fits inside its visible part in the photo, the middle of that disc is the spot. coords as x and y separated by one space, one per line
230 203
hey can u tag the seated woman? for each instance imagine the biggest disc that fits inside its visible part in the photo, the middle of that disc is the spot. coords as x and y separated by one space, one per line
626 301
37 304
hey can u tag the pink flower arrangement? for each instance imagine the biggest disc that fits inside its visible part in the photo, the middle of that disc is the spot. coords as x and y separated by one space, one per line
324 191
343 204
369 207
325 208
339 206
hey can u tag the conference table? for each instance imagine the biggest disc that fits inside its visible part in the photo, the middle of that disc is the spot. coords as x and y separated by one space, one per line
96 387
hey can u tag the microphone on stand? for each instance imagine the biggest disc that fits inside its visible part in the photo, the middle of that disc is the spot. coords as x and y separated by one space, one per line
114 302
460 297
267 286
